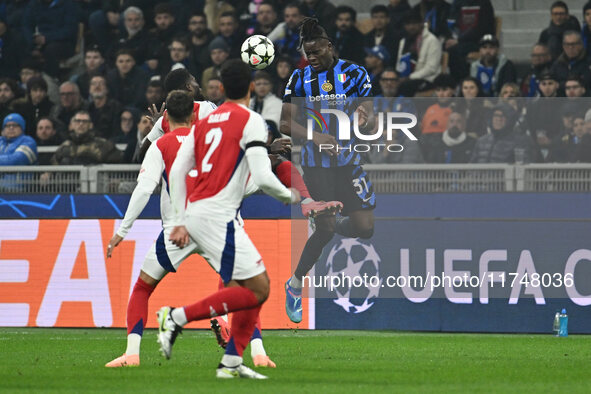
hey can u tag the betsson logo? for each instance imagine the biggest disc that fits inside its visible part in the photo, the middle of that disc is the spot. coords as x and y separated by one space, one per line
344 130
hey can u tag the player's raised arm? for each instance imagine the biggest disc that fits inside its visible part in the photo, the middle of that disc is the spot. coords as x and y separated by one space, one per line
147 180
184 162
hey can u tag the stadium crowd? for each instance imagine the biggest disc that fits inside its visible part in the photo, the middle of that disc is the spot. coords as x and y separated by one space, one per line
81 74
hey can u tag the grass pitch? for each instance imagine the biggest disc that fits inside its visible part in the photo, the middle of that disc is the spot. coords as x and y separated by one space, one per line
72 360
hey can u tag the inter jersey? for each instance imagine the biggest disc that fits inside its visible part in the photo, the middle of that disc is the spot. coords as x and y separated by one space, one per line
328 89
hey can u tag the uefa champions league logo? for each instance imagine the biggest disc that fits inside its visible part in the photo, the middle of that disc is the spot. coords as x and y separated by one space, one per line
358 266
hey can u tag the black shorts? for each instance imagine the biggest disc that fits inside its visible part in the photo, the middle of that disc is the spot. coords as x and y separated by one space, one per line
348 184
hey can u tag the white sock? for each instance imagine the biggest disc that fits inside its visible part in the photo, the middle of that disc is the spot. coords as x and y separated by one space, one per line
231 361
257 348
296 283
178 316
133 344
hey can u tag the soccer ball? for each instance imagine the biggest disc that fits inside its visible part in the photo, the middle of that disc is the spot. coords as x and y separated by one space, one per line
257 51
352 258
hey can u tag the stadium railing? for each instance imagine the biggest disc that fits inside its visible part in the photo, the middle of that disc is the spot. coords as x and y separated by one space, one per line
386 178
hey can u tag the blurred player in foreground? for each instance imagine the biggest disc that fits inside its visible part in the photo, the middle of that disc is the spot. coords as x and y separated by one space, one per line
228 148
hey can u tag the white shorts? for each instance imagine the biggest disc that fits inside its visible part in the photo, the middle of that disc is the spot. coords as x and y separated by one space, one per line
165 257
226 247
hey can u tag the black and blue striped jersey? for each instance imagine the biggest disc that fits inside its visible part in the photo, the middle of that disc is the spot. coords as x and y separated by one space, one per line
328 89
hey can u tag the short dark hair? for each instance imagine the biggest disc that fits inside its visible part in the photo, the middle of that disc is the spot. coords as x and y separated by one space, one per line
183 41
11 84
163 8
559 4
93 48
200 14
83 112
36 83
261 74
51 120
236 77
125 51
229 14
179 105
295 4
177 80
574 77
391 69
380 8
345 9
270 4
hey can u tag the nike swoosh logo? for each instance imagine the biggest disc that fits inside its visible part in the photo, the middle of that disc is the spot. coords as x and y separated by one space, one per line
310 80
367 199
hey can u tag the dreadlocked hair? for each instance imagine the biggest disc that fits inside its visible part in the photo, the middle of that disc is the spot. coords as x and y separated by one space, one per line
311 30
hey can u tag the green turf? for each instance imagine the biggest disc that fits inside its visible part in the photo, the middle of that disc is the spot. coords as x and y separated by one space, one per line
71 360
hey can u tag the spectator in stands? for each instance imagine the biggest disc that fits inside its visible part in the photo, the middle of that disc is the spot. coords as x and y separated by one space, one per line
266 18
435 14
586 29
389 83
323 10
83 147
70 103
104 26
178 56
286 36
419 55
470 21
47 134
94 64
228 31
510 89
34 105
381 34
492 69
436 116
214 91
16 148
104 111
127 82
51 28
579 144
154 94
573 59
8 92
165 29
540 60
573 87
130 117
503 144
32 68
477 114
397 10
376 59
200 37
266 103
560 22
346 36
542 120
12 50
455 145
137 39
283 70
218 52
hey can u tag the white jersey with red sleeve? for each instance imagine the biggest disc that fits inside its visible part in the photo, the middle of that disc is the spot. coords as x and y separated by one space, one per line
200 108
217 148
156 166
